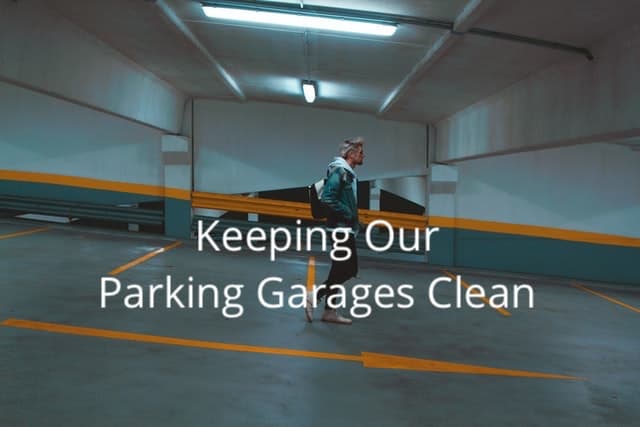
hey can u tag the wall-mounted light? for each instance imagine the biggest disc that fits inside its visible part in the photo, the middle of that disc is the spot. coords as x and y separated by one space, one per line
309 90
279 14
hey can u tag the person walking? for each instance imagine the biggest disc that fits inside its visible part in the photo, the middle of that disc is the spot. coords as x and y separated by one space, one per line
340 195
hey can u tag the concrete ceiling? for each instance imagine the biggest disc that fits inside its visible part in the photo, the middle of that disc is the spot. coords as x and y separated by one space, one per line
404 77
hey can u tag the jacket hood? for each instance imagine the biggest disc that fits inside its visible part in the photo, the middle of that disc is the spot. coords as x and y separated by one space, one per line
340 162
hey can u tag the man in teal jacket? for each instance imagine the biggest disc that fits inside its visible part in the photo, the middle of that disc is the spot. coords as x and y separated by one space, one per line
340 195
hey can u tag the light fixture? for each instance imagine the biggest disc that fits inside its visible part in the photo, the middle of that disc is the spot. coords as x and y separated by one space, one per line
301 18
309 90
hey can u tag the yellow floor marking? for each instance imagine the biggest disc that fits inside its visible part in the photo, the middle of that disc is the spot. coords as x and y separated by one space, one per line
23 233
608 298
388 361
311 273
143 259
212 345
369 360
484 299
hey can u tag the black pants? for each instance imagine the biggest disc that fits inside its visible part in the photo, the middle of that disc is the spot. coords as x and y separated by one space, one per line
340 272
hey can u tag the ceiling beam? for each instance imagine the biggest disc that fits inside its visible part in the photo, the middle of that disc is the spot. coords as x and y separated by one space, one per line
437 49
471 12
463 22
220 71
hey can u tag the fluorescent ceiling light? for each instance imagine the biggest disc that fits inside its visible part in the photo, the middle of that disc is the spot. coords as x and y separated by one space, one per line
301 21
309 90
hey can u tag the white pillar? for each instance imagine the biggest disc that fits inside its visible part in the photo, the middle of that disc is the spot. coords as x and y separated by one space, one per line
374 195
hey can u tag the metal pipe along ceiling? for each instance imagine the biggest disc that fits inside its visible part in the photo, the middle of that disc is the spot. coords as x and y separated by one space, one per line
312 10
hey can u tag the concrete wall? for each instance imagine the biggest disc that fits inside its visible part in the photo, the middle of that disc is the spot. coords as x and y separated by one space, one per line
531 186
79 121
39 133
569 103
568 211
259 146
44 51
593 187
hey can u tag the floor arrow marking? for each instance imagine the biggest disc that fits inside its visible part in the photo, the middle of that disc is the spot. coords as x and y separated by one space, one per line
369 360
388 361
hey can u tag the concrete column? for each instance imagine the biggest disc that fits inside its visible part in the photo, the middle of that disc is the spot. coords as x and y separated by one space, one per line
253 217
442 214
176 156
374 195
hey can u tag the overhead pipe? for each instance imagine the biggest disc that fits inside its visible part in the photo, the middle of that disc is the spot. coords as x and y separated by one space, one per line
532 41
313 10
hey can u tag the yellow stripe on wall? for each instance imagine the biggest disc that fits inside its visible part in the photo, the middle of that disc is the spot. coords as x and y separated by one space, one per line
95 184
176 193
433 221
534 231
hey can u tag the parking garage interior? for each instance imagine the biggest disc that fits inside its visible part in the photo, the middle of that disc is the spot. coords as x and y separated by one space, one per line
146 146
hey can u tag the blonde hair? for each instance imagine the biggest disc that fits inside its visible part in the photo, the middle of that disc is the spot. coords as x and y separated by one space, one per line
349 145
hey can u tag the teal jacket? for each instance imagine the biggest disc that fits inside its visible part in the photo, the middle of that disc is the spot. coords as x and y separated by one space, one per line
338 195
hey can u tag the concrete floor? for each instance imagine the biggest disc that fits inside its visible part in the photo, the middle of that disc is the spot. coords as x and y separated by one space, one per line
54 379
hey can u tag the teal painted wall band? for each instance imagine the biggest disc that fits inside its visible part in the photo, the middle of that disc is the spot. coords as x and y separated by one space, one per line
442 248
177 218
535 255
71 194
